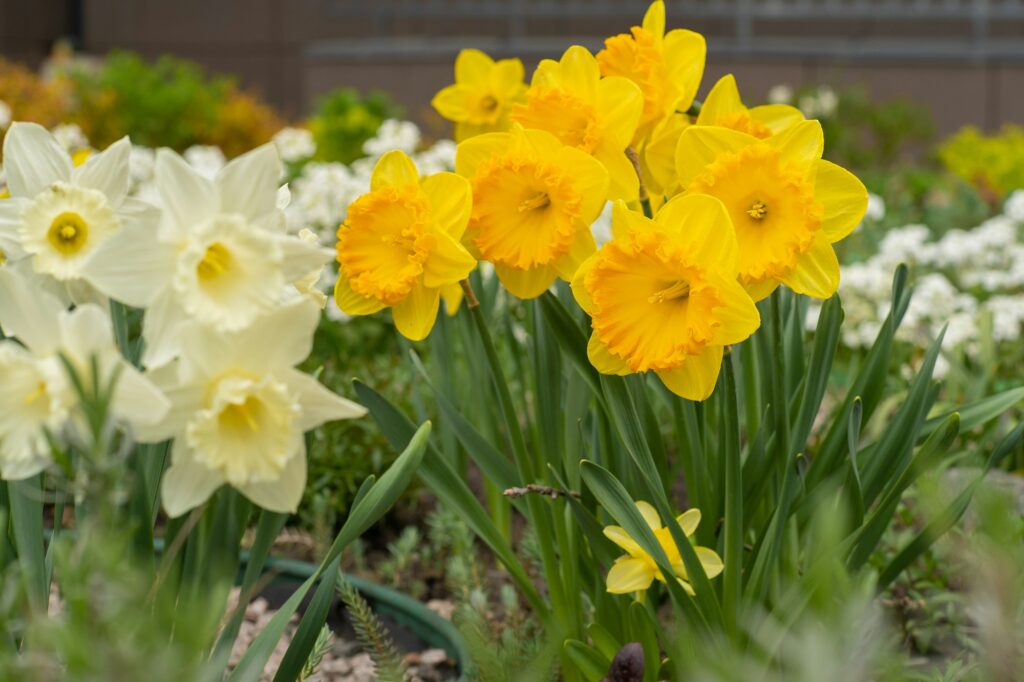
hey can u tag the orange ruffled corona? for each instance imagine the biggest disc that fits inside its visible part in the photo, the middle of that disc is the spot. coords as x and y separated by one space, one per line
534 199
570 100
788 206
667 67
399 246
663 295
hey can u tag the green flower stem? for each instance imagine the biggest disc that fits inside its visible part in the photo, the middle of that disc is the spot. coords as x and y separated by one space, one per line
539 513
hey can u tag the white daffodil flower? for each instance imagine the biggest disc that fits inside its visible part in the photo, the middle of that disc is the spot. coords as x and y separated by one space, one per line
222 256
35 392
59 217
240 409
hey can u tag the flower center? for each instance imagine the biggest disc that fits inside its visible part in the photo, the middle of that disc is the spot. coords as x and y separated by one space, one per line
488 103
244 416
36 394
68 233
562 114
654 306
215 262
750 181
525 211
384 242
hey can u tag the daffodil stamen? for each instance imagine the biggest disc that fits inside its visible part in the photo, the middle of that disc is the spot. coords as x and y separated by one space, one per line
216 261
680 289
758 210
540 200
68 233
36 394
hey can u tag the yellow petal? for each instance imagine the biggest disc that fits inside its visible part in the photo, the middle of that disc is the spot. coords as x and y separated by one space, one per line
843 197
620 537
579 285
450 102
801 144
629 575
590 179
394 169
625 221
415 316
737 316
623 181
660 153
452 295
688 521
580 73
602 359
695 379
776 117
620 104
470 153
654 18
817 272
723 100
759 291
700 145
583 247
351 303
548 73
650 514
526 284
685 53
710 561
472 67
448 263
703 222
686 587
451 201
506 79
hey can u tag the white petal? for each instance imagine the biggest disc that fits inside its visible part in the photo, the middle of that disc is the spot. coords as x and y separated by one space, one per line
10 226
319 404
188 197
132 267
86 331
30 315
133 212
33 160
186 484
184 402
284 494
107 172
281 339
136 400
248 185
301 257
161 327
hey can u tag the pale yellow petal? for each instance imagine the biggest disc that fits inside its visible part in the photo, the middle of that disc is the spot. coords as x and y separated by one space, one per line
710 561
659 153
685 54
761 290
394 169
776 117
737 316
620 537
580 73
506 79
694 379
625 221
470 153
579 285
843 198
415 316
450 102
629 575
703 222
448 263
472 67
590 178
817 272
688 521
620 104
583 247
654 18
623 181
451 201
801 144
649 513
699 146
452 295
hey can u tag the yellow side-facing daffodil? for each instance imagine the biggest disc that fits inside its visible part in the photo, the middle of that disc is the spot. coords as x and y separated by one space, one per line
668 67
636 570
483 93
662 295
534 199
658 155
399 246
788 206
724 108
570 100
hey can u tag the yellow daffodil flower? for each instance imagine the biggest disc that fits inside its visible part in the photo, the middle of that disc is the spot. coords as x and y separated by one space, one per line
724 108
534 199
636 570
399 245
788 206
482 95
663 295
570 100
667 66
658 155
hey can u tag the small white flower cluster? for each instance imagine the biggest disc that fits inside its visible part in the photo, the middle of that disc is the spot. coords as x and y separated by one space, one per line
820 103
959 279
226 288
295 145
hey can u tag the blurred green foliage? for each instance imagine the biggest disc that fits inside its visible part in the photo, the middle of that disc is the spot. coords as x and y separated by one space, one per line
344 120
992 163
